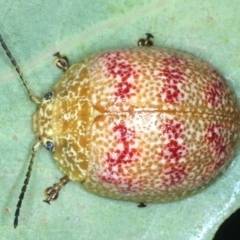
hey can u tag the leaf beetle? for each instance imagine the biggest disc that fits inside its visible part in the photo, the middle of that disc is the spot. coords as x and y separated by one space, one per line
147 124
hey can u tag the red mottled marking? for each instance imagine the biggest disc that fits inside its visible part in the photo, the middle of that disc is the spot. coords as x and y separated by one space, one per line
218 146
173 151
125 73
125 185
214 93
174 60
117 161
173 77
176 174
173 128
171 94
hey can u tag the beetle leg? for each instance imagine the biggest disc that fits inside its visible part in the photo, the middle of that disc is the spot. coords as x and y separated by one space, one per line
142 205
52 192
146 42
61 62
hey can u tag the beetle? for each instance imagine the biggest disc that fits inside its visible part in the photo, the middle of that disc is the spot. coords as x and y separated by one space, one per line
147 124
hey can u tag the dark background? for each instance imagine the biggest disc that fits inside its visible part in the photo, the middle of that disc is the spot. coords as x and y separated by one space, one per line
230 229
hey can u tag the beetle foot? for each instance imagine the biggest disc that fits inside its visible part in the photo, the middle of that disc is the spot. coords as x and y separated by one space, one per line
61 62
142 205
52 192
146 42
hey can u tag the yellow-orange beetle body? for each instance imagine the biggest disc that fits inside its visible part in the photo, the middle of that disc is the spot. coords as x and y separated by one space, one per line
145 124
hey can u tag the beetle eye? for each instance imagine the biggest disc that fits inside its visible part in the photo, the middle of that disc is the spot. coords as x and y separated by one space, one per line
49 145
48 96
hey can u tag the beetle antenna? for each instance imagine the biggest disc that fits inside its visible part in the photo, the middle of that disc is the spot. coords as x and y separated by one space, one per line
25 184
31 96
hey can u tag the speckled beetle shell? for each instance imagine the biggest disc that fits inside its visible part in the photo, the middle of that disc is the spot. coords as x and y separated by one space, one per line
145 124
